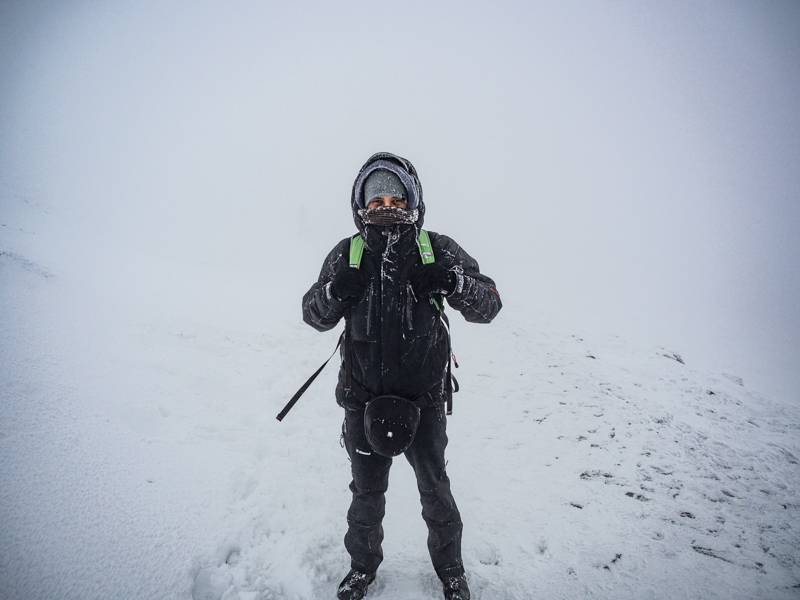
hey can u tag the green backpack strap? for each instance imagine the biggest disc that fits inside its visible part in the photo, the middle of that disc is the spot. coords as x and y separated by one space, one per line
425 248
423 243
356 250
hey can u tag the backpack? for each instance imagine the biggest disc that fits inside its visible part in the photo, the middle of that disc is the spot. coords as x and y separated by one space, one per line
356 253
425 253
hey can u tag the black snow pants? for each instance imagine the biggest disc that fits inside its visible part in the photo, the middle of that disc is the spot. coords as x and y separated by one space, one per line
371 480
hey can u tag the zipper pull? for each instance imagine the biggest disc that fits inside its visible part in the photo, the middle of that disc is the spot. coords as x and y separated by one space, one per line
409 307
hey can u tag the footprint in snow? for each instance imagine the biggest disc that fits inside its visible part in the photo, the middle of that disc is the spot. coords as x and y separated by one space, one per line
488 554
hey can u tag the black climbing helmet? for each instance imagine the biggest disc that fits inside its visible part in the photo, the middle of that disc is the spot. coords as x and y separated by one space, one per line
390 423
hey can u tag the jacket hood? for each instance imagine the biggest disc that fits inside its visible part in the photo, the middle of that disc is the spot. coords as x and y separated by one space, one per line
400 167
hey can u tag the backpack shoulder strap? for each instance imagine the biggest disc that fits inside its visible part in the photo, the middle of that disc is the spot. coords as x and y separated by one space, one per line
426 254
356 250
423 242
425 248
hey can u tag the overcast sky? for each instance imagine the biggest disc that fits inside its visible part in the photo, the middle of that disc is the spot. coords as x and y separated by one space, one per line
629 167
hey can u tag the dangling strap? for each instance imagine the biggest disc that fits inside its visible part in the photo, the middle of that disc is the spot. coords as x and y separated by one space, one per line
452 388
311 379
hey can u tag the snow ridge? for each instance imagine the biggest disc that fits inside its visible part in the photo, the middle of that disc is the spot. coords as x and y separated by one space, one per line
583 466
583 469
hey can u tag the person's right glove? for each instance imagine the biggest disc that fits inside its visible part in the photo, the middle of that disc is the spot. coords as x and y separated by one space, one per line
348 284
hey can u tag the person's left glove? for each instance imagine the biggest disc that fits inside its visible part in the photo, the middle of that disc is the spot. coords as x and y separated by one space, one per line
432 278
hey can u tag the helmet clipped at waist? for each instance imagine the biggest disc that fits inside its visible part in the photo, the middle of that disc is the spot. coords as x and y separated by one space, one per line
390 423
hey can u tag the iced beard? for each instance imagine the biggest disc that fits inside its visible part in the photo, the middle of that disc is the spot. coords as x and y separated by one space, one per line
388 215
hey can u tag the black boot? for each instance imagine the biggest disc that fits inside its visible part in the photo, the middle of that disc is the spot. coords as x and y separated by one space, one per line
455 588
354 585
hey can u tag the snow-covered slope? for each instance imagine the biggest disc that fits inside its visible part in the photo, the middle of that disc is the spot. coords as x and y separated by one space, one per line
140 457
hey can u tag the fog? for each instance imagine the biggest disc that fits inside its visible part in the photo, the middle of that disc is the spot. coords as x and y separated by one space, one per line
624 167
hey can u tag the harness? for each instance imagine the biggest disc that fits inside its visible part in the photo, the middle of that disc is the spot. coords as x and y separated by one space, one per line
356 253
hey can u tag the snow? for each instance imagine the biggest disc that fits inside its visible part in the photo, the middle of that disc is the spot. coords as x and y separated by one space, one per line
172 175
140 457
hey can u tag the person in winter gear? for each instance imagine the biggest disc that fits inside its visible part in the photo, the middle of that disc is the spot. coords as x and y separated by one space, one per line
396 343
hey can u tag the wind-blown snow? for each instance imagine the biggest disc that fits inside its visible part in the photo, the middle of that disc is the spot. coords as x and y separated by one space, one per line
140 457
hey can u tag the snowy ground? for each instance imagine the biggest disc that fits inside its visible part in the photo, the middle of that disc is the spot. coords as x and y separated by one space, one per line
140 458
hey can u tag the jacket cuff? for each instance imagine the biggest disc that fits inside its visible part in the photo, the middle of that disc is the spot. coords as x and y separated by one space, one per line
330 297
459 273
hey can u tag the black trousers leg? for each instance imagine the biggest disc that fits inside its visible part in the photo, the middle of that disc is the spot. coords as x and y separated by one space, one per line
426 456
370 482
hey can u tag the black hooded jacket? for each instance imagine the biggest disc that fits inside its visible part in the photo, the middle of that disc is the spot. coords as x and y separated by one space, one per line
398 343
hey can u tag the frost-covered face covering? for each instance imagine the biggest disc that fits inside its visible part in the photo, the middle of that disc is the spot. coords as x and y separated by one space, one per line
388 215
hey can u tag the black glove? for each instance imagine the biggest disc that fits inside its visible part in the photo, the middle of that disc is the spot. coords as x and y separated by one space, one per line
432 278
348 284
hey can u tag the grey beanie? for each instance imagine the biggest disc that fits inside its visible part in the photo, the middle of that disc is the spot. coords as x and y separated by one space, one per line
383 183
